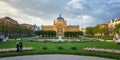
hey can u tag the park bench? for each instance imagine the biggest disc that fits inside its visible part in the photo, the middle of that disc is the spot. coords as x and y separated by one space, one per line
117 41
102 50
14 49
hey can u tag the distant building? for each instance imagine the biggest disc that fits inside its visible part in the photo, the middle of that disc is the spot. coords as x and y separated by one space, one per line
112 24
27 25
116 21
9 20
35 27
60 26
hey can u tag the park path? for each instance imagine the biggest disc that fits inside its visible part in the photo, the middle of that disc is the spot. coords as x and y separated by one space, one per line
54 57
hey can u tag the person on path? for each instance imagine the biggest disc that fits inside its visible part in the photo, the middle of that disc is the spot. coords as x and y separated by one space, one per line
20 45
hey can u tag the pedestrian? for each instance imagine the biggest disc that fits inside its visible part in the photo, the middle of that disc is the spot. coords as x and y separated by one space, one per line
20 45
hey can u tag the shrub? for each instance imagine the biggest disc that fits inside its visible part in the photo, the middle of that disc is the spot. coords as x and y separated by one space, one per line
73 48
44 48
60 48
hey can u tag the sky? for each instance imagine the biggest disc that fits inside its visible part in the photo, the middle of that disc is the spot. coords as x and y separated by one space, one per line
76 12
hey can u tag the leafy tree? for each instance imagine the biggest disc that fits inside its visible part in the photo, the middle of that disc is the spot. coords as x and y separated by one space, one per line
13 29
101 30
46 33
89 31
117 28
73 33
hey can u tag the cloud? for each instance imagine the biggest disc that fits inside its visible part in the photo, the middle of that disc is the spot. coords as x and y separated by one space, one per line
81 12
7 9
101 11
28 16
76 4
83 21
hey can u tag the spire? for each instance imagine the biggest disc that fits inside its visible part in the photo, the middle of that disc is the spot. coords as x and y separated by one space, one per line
60 18
60 15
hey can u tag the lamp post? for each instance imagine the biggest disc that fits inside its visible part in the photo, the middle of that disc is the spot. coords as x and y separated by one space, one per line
119 33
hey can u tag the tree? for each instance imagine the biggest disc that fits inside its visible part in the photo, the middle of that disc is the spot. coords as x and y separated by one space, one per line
4 27
116 30
90 31
106 31
1 26
73 33
10 28
101 30
46 33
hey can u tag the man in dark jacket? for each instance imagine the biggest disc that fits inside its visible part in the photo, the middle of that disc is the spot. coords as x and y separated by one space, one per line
20 44
18 47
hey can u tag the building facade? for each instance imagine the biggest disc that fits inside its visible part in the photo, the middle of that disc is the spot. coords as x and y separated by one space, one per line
60 26
35 27
112 24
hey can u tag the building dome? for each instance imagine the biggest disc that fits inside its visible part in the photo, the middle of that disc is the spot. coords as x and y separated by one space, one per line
60 18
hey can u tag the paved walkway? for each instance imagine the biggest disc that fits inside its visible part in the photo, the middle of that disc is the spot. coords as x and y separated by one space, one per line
54 57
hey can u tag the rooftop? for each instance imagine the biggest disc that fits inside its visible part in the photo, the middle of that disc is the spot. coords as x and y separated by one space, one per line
60 18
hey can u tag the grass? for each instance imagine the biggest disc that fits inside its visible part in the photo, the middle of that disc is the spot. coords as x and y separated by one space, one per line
55 48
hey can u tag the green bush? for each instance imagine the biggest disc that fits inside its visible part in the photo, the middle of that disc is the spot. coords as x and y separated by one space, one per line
73 48
44 48
60 48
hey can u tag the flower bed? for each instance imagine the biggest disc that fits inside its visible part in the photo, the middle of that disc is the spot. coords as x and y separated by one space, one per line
102 50
14 49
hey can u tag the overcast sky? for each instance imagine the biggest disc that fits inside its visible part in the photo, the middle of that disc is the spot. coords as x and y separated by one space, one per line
77 12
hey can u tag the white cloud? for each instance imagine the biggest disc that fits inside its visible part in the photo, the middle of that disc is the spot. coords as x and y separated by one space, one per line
75 4
8 10
82 20
114 1
85 19
34 20
77 12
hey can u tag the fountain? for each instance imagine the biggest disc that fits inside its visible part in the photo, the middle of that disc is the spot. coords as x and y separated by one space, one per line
59 38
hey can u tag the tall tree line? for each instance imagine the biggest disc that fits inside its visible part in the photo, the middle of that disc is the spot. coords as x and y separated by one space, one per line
9 29
46 33
98 30
73 33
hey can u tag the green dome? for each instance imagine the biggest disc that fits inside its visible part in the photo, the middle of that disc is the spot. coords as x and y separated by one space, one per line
60 18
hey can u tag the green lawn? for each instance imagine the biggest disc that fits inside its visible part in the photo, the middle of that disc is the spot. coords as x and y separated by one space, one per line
52 48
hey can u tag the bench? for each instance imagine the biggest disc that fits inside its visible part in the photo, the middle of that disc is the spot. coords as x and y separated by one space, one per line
102 50
14 49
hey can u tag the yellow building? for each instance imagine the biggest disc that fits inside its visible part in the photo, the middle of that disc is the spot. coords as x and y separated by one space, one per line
60 26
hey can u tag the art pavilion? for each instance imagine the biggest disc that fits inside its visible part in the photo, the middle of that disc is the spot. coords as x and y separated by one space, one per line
60 26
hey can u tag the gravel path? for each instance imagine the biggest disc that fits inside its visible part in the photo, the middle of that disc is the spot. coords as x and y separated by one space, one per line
54 57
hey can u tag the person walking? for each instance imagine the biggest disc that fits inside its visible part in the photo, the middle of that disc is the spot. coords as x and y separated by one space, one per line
18 47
